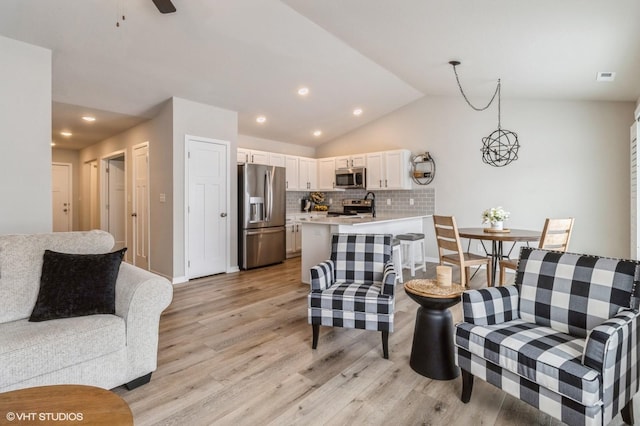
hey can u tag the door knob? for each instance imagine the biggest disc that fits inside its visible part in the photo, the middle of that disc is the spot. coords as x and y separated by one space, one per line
223 215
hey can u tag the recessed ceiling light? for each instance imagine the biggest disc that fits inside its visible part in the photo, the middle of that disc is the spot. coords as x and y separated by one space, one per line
317 133
303 91
261 119
357 112
606 76
88 118
66 134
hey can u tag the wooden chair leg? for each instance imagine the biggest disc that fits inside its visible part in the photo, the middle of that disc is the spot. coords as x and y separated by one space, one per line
489 270
467 386
463 277
385 344
316 333
627 413
502 274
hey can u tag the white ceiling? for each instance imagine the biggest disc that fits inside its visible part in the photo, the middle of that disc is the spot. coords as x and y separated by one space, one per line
251 56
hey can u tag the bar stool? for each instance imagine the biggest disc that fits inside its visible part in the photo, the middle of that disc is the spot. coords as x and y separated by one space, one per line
412 242
397 259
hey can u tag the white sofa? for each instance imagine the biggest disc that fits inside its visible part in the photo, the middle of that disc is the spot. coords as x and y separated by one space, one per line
99 350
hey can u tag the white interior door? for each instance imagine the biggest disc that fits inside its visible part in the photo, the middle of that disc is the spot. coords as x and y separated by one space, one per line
116 204
207 175
140 208
61 197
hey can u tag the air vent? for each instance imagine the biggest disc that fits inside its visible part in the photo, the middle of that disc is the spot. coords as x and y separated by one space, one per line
606 76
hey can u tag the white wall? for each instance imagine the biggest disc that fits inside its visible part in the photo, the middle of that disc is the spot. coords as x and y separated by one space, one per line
573 161
25 140
252 142
196 119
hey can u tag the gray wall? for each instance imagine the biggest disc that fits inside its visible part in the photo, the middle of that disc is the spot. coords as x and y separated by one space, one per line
25 140
157 132
574 161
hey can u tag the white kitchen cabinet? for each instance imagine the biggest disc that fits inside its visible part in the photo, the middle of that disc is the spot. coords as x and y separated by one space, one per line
259 157
388 170
298 238
243 155
276 160
290 231
291 163
293 239
307 173
252 156
326 174
397 168
350 161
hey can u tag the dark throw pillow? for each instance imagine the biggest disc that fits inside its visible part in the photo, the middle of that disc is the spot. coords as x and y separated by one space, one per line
75 285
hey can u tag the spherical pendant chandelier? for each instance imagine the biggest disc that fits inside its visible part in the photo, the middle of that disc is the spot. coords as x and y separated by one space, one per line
501 146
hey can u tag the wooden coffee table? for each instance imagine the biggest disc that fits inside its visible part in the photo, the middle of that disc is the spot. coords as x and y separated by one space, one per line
432 350
64 405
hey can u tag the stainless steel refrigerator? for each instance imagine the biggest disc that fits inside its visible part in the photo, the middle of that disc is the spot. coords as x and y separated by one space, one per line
261 215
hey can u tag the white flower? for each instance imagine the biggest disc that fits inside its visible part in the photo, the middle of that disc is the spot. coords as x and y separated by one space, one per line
495 214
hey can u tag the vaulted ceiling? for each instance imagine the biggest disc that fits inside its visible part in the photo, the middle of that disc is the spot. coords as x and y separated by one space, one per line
125 58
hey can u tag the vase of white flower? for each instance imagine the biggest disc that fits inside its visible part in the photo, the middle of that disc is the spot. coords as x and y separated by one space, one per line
496 217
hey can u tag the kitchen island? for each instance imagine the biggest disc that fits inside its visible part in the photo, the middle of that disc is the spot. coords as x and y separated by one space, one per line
316 234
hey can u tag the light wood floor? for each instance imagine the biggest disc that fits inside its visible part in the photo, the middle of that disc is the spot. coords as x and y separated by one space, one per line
235 349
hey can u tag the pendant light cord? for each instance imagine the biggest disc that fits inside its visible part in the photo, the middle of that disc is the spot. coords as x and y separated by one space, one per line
467 99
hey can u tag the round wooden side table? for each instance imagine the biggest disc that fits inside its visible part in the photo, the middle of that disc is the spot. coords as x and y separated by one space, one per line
64 405
432 352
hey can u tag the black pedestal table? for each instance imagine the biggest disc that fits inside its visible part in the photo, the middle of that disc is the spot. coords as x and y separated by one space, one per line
432 353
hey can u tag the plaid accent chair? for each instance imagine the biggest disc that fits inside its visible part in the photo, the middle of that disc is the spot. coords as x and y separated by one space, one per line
355 288
563 339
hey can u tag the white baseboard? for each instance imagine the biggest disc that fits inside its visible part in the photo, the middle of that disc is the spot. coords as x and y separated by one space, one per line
179 280
232 269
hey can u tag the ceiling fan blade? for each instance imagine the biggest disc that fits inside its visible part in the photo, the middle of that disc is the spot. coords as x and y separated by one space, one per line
164 6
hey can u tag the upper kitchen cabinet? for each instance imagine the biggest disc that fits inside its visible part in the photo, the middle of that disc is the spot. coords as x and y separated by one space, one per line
350 161
291 163
326 174
276 160
388 170
302 173
253 156
307 173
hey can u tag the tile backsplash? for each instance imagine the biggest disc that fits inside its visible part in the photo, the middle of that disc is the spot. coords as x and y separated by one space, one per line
424 200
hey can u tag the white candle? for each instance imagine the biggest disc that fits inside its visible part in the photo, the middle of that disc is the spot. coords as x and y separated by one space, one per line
443 276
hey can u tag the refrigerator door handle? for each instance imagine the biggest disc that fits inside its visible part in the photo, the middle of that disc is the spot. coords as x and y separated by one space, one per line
268 194
266 231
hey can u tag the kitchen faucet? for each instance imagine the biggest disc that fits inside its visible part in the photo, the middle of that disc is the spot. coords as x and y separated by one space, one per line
373 202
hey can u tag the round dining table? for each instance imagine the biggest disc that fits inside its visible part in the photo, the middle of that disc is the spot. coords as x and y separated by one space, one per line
497 239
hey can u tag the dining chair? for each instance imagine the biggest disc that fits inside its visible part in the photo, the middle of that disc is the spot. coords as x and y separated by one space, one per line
556 234
448 241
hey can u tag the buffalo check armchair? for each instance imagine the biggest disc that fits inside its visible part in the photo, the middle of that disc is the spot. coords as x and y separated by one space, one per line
355 288
564 339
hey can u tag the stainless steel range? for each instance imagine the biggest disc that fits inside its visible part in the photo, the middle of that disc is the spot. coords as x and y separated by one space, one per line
355 207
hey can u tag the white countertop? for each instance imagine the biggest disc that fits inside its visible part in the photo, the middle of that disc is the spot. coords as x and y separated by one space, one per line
356 220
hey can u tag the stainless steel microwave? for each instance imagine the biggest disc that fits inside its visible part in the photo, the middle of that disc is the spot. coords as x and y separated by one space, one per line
351 178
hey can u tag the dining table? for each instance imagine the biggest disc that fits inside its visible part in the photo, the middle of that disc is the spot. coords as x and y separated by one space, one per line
497 238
